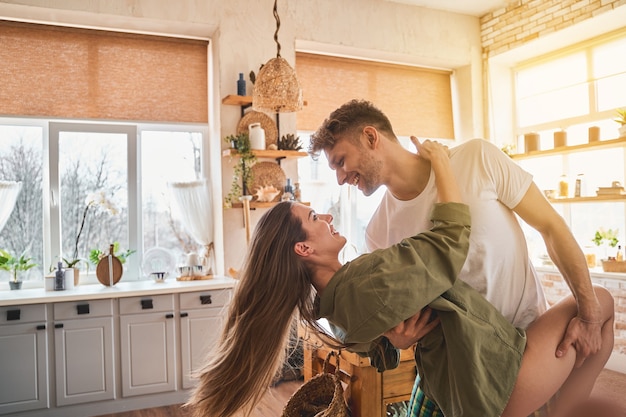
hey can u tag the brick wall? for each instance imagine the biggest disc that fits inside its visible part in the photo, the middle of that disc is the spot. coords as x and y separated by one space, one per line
525 20
556 288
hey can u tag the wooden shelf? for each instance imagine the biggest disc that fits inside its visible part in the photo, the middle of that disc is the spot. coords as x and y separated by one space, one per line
236 100
575 148
590 199
268 153
245 101
257 204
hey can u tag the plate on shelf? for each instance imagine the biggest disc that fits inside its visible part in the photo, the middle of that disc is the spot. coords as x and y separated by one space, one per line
610 191
271 132
158 260
268 173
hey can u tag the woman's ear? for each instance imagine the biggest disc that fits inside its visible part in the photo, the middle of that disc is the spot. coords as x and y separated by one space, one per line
302 249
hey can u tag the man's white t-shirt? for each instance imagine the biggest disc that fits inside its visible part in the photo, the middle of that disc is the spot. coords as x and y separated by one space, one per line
498 265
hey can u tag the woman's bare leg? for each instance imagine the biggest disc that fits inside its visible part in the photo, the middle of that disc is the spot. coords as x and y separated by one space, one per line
542 374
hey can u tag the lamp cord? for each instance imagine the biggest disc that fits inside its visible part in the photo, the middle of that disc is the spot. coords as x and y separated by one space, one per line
277 27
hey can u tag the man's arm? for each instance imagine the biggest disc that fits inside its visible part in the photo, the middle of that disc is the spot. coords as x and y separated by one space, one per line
583 331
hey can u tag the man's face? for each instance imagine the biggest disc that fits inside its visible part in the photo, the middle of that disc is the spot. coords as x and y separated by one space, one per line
356 163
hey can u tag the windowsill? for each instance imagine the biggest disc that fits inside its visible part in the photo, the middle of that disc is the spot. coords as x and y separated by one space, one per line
596 272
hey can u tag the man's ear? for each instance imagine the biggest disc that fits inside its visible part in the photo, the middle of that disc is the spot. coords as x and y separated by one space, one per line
371 135
302 249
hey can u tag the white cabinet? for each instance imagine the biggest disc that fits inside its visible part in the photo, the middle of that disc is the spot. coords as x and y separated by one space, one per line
148 345
83 346
23 359
201 317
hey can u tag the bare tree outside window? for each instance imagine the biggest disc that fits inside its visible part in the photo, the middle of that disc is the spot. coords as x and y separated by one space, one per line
21 160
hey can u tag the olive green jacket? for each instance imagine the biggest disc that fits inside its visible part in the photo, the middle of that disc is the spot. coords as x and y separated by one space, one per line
468 364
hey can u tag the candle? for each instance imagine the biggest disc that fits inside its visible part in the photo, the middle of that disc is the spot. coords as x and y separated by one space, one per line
531 142
192 259
560 139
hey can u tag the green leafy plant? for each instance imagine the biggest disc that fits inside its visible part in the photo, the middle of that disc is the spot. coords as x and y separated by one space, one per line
95 255
242 172
13 264
609 236
621 116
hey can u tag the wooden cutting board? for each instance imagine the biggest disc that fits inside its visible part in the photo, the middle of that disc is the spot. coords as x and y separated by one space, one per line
109 269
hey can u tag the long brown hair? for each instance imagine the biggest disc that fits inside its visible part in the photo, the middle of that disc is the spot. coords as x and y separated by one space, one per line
274 284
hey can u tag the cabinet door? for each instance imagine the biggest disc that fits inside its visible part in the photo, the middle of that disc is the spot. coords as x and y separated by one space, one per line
23 367
148 353
84 360
199 331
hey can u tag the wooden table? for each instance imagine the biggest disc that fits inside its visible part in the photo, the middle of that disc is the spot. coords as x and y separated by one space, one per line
367 391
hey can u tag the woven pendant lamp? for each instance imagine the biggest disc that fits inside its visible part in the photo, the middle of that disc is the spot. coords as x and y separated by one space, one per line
276 88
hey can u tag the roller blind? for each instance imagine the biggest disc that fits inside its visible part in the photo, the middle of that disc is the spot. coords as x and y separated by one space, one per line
418 101
54 71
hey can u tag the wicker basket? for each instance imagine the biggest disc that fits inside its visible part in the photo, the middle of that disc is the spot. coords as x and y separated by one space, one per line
613 265
321 396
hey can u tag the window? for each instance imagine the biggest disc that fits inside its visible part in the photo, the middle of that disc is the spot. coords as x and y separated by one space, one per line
572 90
88 185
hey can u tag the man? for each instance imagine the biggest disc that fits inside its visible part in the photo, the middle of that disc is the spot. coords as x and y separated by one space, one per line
361 147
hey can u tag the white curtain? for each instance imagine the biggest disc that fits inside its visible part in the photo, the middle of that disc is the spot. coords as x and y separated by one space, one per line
192 201
9 190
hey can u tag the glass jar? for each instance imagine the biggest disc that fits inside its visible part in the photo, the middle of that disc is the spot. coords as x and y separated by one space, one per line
563 186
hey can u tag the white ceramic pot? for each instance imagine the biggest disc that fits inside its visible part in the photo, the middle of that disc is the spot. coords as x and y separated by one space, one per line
257 136
622 131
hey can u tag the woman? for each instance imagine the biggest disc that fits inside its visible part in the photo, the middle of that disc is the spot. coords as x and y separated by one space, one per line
474 363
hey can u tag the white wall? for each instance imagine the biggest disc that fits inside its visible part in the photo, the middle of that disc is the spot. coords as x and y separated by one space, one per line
242 33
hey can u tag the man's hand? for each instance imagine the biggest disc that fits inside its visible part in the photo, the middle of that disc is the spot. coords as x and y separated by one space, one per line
584 336
407 333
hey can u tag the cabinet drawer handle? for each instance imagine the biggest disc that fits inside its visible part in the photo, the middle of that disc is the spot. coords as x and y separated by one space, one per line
169 316
13 315
82 309
41 327
184 314
205 299
58 326
146 304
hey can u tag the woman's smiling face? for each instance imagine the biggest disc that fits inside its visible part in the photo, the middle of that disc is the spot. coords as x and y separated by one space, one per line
321 234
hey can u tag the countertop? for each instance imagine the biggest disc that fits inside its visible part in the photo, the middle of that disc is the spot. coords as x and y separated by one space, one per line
119 290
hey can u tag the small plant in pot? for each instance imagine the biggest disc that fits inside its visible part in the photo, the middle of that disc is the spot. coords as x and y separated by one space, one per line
608 239
13 264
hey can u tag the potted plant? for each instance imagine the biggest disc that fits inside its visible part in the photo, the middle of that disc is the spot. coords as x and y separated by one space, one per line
96 254
14 264
242 175
608 238
621 119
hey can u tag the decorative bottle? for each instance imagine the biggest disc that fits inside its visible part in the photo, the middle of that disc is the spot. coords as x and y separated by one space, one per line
563 186
288 193
257 136
59 278
297 194
581 189
241 85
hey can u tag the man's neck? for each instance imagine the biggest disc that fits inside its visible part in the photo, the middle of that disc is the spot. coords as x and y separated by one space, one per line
409 177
